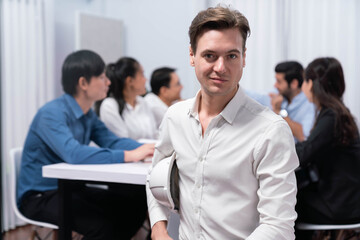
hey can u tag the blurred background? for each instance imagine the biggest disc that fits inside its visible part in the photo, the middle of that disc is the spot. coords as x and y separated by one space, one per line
37 35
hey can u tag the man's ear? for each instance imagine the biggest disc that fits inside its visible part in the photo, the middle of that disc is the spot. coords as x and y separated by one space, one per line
192 56
82 83
244 57
294 84
162 91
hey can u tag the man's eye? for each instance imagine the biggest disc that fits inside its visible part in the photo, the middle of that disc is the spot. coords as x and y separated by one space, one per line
232 56
209 56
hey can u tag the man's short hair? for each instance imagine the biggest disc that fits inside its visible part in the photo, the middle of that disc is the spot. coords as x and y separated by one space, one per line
82 63
160 78
218 18
292 70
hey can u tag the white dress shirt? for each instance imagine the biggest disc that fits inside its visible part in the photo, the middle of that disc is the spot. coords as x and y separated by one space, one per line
300 110
158 107
136 122
237 181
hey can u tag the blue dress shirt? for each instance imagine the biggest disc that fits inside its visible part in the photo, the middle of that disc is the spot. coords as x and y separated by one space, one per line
61 132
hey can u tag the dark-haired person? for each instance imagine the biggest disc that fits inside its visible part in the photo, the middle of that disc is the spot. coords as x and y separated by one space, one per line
61 132
124 111
236 158
165 90
333 148
290 102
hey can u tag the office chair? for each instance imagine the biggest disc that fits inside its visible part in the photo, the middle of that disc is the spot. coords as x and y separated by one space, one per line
15 164
343 229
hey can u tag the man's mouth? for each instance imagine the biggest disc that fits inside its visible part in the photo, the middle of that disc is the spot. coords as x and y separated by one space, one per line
218 79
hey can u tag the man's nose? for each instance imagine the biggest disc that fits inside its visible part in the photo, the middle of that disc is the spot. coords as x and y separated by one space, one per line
220 65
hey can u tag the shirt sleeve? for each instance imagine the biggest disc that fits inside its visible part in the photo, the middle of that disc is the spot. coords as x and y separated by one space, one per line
308 116
274 163
104 138
109 114
163 149
319 140
52 128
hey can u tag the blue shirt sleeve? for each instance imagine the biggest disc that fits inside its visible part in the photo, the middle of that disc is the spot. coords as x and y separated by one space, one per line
68 138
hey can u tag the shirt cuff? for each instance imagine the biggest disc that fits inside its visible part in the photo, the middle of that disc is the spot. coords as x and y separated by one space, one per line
118 156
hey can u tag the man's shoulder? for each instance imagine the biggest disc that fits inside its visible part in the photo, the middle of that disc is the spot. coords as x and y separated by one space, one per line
255 109
56 108
53 105
181 106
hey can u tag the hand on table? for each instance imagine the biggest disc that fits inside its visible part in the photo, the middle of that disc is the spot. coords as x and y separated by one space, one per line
140 153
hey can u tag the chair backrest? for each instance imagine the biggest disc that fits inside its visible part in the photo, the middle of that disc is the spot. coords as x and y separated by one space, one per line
15 164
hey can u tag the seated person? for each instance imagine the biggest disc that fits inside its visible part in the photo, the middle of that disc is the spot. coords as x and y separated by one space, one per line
61 132
290 102
332 150
165 90
124 111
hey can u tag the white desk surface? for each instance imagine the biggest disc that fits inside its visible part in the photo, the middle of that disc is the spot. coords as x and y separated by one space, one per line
133 173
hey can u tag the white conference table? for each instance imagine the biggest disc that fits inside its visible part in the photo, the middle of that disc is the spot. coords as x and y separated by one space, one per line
129 173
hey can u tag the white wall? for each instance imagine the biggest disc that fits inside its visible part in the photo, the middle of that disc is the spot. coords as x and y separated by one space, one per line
156 34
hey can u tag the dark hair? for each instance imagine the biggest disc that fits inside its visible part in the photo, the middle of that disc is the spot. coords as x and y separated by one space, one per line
292 70
328 88
117 73
83 63
218 18
159 78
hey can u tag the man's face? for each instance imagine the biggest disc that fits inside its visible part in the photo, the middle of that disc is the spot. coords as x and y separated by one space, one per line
174 89
282 85
98 87
219 61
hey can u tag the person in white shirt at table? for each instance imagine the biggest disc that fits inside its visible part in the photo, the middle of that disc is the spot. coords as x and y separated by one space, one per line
236 158
124 111
165 90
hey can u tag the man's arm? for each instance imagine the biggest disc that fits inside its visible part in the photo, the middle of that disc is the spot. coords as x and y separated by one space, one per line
296 128
53 130
159 231
275 160
158 213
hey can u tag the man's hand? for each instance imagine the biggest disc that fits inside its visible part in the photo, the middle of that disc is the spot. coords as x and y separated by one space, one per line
276 100
140 153
159 231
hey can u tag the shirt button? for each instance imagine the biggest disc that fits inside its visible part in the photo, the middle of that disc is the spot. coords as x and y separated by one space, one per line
196 211
199 186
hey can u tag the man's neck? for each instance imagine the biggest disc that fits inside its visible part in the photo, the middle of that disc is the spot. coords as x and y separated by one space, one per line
165 100
84 103
293 95
211 106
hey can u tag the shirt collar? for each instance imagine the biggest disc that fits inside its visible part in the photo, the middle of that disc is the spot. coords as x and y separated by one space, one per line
228 113
74 106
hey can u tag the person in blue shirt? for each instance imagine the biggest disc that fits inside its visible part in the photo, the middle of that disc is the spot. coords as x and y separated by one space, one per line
61 132
290 102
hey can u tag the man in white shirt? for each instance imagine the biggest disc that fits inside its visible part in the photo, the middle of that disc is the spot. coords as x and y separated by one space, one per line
165 90
236 158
